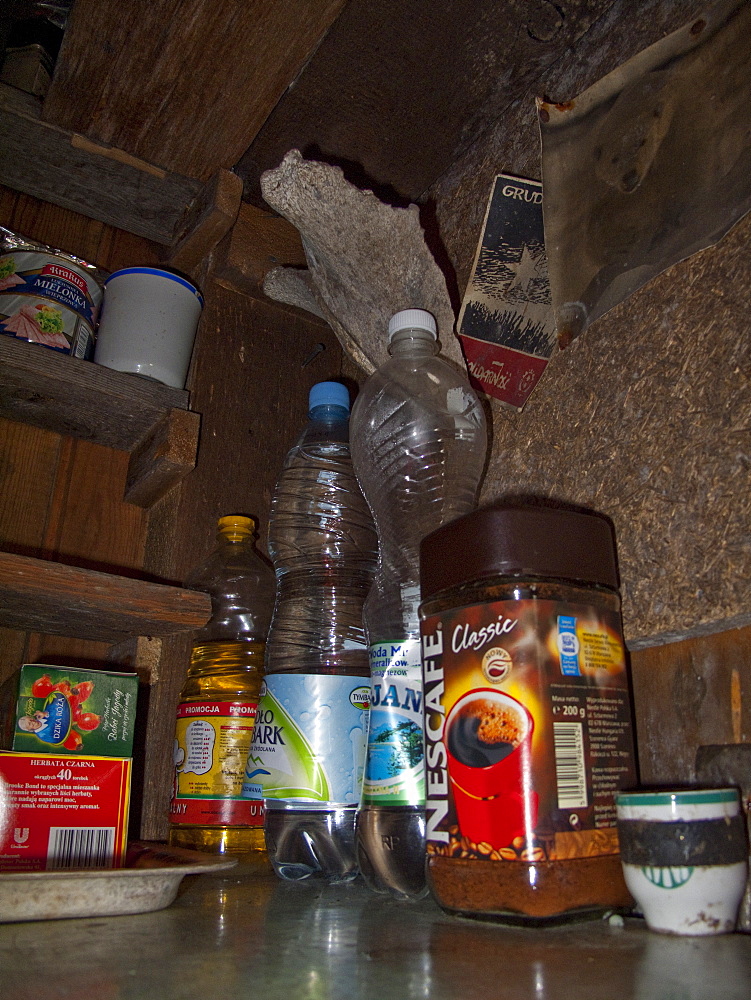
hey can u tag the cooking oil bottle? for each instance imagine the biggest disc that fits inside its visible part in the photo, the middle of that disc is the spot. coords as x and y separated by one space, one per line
216 712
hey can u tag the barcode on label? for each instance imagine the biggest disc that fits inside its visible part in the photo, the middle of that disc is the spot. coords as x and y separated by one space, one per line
571 776
81 847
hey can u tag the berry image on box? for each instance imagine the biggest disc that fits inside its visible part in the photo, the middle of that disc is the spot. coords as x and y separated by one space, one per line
66 708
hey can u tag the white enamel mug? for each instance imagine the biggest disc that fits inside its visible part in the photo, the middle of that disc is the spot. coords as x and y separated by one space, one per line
685 857
148 324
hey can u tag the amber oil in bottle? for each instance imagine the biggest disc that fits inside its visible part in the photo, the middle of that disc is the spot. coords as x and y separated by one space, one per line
216 711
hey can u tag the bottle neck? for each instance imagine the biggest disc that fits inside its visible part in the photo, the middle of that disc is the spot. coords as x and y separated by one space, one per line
326 424
233 536
329 413
413 343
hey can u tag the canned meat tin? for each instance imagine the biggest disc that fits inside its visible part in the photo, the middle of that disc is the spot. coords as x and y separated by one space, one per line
47 297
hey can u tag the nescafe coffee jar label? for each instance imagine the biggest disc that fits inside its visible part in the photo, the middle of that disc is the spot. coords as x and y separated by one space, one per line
528 731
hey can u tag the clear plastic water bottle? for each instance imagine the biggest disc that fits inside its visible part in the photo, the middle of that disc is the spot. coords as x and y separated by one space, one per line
418 446
307 756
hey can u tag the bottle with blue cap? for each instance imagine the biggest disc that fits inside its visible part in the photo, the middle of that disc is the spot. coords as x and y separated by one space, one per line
307 756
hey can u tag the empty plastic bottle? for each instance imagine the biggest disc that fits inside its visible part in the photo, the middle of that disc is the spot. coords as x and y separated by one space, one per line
308 750
418 446
218 700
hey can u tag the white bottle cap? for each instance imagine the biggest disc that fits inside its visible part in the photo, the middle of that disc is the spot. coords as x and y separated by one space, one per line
412 319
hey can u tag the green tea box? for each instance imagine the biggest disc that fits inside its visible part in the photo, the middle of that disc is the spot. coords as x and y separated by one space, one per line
68 709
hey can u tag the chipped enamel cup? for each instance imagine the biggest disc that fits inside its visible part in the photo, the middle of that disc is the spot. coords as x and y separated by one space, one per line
685 857
148 324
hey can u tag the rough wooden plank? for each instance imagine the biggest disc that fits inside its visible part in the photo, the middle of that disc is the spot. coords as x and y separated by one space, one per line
89 523
186 90
259 363
98 181
160 558
13 99
57 227
79 398
163 458
399 88
65 651
12 652
207 220
258 242
8 202
142 656
158 737
50 597
118 249
687 695
28 463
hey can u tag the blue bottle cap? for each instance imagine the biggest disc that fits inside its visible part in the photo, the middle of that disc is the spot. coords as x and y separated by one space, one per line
329 394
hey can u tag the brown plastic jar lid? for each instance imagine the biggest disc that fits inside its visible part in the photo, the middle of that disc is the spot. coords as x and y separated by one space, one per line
519 540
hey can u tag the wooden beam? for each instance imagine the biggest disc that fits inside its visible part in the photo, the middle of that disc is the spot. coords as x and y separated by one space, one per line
259 241
140 655
190 90
98 181
163 458
398 88
44 596
207 220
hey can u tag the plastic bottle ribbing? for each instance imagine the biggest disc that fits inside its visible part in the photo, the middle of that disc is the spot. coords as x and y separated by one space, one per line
418 446
323 545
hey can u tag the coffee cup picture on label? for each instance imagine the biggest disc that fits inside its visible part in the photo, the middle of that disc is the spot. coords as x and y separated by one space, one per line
488 739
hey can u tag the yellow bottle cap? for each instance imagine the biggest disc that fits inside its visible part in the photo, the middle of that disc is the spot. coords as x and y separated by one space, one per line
236 526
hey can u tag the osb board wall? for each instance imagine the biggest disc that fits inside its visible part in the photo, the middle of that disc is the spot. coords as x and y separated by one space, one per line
647 418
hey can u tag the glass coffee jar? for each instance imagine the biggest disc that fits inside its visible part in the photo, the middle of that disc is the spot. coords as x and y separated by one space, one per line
528 723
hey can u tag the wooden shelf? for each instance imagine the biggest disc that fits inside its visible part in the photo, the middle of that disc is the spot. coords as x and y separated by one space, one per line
63 394
182 214
97 180
37 595
78 398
